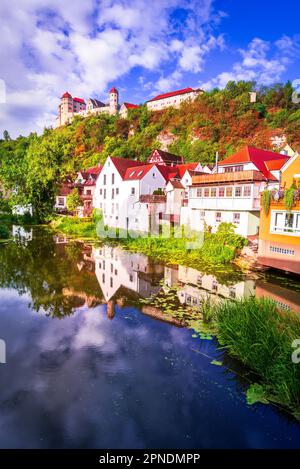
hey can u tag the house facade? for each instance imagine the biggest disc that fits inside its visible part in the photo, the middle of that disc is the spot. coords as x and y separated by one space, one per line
279 235
174 98
232 193
121 193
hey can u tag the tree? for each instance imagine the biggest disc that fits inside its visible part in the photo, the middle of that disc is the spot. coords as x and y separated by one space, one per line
73 200
6 136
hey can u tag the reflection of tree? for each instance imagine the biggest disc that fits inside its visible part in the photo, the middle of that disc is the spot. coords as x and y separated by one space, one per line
47 271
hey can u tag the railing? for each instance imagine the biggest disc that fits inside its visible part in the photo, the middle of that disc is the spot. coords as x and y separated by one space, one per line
153 199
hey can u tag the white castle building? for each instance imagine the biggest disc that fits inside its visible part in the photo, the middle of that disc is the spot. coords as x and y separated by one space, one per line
69 106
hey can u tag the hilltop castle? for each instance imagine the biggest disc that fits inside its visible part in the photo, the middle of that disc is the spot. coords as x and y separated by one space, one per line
70 106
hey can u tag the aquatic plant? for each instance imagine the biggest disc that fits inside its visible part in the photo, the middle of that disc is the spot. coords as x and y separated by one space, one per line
261 336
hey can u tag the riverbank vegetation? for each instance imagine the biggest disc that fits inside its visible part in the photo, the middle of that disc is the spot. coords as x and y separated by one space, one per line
178 246
222 120
256 332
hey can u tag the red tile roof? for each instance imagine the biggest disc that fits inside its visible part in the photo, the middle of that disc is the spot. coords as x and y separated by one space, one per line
130 105
137 172
66 95
94 170
114 90
122 164
255 155
79 100
168 172
65 189
276 165
176 184
172 93
167 157
181 168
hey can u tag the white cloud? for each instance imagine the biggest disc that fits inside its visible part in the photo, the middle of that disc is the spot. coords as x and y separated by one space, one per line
49 46
259 63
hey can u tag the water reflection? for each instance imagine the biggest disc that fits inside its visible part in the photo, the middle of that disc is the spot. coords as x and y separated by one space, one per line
89 381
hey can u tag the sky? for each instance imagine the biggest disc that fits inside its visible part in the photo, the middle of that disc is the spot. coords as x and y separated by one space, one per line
142 47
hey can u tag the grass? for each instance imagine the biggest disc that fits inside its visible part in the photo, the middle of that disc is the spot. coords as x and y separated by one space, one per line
82 227
261 336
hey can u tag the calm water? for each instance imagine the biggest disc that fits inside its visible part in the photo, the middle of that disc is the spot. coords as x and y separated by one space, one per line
90 365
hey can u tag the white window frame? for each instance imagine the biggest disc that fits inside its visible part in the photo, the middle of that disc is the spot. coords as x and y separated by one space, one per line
285 230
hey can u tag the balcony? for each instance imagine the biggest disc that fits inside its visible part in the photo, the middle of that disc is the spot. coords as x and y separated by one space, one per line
153 199
238 176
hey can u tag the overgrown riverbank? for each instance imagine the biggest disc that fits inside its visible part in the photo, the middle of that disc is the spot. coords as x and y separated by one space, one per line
255 332
170 247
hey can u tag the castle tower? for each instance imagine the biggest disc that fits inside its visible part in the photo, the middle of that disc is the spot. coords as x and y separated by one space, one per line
66 108
113 100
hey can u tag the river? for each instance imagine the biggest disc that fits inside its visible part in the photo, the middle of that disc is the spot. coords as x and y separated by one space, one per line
89 365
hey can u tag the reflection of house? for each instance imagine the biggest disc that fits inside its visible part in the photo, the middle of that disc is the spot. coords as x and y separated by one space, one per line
116 268
194 286
288 300
21 234
232 194
279 236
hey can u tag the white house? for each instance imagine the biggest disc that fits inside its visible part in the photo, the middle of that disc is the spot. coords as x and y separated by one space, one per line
232 194
122 189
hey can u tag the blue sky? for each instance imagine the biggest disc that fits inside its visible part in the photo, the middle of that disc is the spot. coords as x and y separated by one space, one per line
142 47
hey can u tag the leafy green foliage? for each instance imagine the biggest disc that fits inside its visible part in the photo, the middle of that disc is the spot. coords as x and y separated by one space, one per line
4 232
266 201
261 336
289 198
73 200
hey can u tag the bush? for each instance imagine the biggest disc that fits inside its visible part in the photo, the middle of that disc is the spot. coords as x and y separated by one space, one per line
4 232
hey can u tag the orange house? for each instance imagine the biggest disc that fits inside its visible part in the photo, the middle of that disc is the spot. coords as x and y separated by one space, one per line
279 231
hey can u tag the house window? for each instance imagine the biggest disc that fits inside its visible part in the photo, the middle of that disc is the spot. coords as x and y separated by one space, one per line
131 278
236 218
117 191
132 190
111 282
229 191
202 215
247 191
286 222
113 193
218 217
104 194
238 192
61 201
103 278
199 192
88 192
221 191
100 191
103 264
206 192
131 174
113 178
111 268
104 179
228 170
213 192
116 272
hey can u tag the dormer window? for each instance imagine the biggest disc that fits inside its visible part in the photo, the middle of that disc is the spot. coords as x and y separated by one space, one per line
132 174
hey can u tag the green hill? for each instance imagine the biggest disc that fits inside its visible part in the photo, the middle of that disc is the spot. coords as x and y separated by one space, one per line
221 120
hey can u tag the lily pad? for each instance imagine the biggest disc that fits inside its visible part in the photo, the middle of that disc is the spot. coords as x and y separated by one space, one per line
216 362
257 393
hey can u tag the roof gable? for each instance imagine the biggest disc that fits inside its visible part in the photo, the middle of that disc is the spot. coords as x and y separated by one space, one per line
166 157
253 155
122 164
